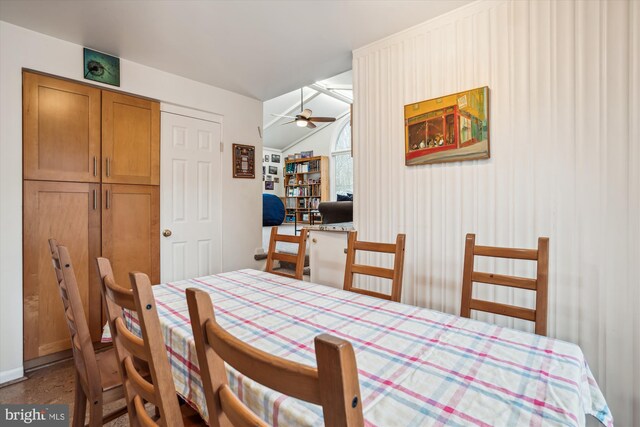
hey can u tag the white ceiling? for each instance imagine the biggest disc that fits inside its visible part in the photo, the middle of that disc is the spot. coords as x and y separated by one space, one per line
280 135
257 48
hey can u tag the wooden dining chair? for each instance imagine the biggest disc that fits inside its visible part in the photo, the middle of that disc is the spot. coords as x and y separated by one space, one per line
96 374
333 384
297 259
539 284
149 349
395 273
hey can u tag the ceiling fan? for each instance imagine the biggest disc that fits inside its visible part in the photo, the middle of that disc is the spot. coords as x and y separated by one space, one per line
304 119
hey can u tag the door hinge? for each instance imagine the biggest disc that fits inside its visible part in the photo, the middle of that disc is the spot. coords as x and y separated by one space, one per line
221 147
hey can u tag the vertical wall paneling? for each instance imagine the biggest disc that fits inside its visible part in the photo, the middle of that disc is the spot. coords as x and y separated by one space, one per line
633 247
564 82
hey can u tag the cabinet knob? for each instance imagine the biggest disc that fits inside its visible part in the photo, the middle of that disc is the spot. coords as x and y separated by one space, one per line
314 240
166 233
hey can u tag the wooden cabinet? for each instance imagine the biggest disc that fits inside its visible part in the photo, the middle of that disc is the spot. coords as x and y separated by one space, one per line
69 212
131 230
108 145
61 126
130 139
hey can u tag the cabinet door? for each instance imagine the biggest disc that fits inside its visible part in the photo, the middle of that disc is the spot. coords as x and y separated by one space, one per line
130 140
61 126
70 213
131 230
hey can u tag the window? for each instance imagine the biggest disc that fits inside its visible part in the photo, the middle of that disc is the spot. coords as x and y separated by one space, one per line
342 162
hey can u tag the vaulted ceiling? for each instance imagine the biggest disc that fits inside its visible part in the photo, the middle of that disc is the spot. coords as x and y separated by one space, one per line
327 98
261 49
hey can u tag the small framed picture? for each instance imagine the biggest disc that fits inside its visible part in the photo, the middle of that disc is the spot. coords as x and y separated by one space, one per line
273 170
244 161
101 67
266 158
268 185
276 179
275 158
269 178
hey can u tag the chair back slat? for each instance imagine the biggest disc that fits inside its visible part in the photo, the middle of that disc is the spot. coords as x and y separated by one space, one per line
388 248
286 238
502 280
503 309
149 347
71 322
130 341
369 270
334 384
81 343
290 378
539 284
511 253
284 257
395 273
237 413
142 387
122 297
143 418
297 259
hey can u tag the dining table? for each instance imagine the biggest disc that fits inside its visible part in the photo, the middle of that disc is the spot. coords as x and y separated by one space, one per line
416 366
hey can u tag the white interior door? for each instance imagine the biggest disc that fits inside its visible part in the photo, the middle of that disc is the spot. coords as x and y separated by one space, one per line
190 197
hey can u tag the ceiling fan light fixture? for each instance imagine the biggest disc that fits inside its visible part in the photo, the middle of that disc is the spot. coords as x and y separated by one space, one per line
301 123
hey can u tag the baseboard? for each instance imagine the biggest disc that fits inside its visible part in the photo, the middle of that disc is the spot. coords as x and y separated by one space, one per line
11 374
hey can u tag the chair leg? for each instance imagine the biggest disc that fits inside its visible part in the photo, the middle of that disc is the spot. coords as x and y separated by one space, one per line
79 405
95 414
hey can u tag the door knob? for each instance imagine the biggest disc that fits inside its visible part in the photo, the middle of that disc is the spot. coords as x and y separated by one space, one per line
166 233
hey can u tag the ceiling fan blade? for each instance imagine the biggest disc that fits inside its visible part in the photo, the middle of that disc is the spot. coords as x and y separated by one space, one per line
306 113
286 123
280 115
310 125
322 119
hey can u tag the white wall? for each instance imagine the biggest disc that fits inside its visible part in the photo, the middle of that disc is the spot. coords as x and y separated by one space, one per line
320 142
565 159
241 197
278 188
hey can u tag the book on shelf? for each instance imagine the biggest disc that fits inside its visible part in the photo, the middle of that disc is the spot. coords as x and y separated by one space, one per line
303 167
297 191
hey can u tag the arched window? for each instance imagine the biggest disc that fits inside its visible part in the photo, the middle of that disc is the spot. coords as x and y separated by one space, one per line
342 162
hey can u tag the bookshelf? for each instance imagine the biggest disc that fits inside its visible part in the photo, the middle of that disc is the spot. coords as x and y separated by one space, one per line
306 184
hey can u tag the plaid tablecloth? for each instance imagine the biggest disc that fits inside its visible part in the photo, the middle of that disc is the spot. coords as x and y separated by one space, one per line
416 366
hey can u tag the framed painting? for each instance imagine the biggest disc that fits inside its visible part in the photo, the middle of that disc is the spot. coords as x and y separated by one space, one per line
451 128
244 161
101 67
